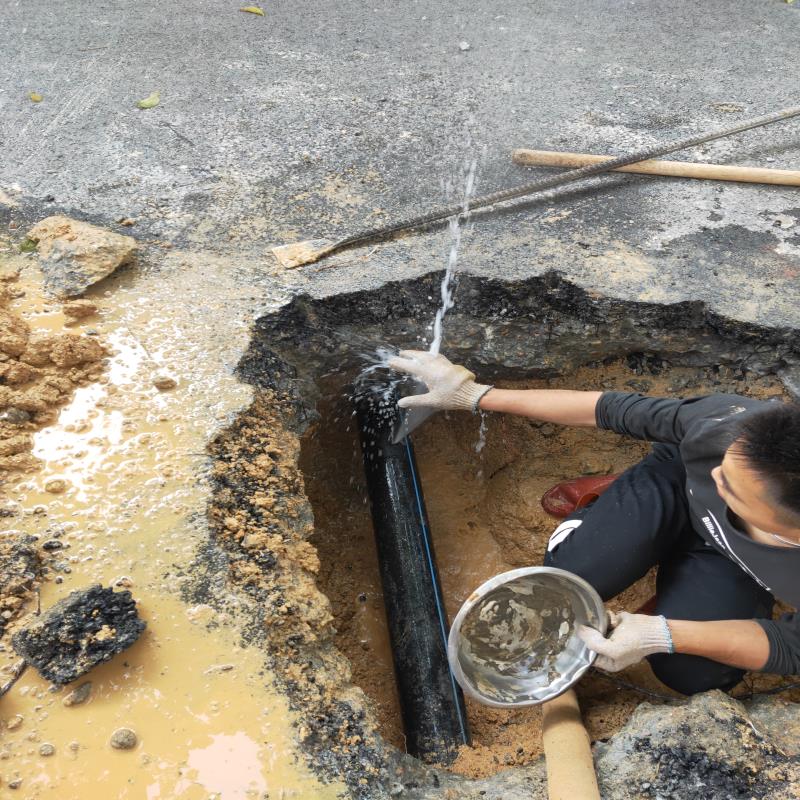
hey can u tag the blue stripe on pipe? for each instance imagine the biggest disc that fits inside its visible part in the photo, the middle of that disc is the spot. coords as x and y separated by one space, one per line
429 554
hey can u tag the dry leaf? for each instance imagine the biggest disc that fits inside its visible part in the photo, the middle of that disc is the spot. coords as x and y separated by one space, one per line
253 10
150 102
36 97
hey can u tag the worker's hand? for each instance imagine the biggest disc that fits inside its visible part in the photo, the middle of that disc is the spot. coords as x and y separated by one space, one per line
632 637
449 385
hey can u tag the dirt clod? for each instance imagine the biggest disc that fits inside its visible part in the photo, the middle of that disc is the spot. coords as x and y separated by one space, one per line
38 373
84 629
79 695
15 416
79 309
47 749
74 255
20 565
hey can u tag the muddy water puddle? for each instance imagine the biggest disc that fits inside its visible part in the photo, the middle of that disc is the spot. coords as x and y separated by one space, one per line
133 466
485 517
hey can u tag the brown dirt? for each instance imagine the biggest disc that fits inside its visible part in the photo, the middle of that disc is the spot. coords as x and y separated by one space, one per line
260 513
486 517
38 374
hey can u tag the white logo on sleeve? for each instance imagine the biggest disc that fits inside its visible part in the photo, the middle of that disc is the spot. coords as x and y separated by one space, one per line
561 533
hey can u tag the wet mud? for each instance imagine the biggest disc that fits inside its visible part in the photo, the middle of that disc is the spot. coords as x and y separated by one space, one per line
116 496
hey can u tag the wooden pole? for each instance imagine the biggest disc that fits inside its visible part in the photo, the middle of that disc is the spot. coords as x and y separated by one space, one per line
676 169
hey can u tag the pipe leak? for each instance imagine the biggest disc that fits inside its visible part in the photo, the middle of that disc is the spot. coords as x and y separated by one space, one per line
431 702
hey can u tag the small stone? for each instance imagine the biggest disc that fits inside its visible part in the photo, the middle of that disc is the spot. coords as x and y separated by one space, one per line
78 695
47 749
128 222
56 486
15 416
15 722
164 383
74 746
15 784
464 45
52 544
123 739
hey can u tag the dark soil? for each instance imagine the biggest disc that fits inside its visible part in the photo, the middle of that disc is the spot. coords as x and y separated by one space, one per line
694 775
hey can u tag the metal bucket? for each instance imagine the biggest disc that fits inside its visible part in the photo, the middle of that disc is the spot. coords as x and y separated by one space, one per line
514 641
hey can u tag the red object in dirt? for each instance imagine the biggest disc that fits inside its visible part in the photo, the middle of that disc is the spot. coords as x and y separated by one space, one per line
564 498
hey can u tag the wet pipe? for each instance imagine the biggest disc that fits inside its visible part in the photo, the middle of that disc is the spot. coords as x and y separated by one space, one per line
431 702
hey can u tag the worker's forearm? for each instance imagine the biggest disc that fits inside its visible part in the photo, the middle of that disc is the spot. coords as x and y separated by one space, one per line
562 406
738 643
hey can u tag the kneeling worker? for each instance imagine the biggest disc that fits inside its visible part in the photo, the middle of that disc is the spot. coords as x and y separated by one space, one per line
715 504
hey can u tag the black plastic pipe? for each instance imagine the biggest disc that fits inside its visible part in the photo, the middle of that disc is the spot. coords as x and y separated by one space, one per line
431 702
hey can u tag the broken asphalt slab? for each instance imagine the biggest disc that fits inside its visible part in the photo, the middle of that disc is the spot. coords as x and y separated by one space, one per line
84 629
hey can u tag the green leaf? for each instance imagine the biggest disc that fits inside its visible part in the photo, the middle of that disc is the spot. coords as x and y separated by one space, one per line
253 10
28 245
36 97
151 101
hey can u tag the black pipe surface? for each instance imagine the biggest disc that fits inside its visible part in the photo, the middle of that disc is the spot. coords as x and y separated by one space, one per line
432 705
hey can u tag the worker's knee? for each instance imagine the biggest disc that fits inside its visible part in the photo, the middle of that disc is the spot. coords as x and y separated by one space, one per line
692 674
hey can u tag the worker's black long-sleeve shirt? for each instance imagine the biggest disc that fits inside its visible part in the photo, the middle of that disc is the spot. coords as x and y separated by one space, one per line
704 428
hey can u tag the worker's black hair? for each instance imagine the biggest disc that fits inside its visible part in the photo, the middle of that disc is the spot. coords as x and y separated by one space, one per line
770 442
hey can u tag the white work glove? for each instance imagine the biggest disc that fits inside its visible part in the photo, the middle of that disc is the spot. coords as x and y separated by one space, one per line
450 386
632 637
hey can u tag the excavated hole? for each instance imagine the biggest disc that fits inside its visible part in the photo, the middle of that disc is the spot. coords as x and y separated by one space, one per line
483 506
485 518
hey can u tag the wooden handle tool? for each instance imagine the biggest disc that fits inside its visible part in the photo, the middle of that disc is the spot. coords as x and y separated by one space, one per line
570 768
676 169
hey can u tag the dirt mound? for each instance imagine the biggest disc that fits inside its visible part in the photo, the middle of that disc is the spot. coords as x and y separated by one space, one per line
38 374
706 748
